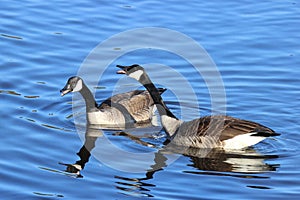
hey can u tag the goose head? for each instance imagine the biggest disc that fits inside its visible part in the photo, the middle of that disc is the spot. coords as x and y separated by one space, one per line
169 120
74 84
134 71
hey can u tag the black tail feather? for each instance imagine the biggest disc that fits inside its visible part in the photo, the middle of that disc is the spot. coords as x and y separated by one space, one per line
265 134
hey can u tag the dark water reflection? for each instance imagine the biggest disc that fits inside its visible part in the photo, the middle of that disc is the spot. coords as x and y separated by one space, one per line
9 92
247 164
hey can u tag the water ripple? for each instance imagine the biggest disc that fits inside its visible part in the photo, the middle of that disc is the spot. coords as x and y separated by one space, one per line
253 44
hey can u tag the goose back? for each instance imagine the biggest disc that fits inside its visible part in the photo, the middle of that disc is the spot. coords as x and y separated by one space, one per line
138 104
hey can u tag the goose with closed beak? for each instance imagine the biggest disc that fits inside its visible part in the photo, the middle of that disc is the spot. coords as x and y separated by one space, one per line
206 132
131 107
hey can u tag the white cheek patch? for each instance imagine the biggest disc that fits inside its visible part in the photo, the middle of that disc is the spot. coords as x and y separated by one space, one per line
136 75
78 86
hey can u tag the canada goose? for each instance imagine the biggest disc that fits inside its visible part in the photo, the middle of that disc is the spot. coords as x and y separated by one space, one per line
130 107
205 132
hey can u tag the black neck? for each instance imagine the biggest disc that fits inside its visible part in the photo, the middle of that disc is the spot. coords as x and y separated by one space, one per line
158 101
90 102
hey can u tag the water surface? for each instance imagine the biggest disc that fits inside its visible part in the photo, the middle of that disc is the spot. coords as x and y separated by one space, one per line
254 44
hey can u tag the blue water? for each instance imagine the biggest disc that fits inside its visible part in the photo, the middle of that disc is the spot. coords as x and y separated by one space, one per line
255 46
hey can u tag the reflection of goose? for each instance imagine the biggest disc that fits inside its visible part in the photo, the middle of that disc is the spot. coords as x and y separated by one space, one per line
206 132
218 160
129 107
248 164
92 133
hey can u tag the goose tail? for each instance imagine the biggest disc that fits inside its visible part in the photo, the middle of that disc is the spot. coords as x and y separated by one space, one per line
265 134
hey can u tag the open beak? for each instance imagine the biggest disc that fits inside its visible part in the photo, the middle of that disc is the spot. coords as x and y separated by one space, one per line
65 91
123 69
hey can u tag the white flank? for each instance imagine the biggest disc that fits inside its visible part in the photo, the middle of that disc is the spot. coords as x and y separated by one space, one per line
136 75
78 86
154 118
105 118
242 141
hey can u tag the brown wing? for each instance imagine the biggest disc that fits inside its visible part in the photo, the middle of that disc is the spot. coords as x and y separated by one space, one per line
238 126
119 97
138 104
229 127
207 132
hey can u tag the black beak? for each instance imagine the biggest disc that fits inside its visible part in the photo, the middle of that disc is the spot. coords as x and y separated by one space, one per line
65 91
